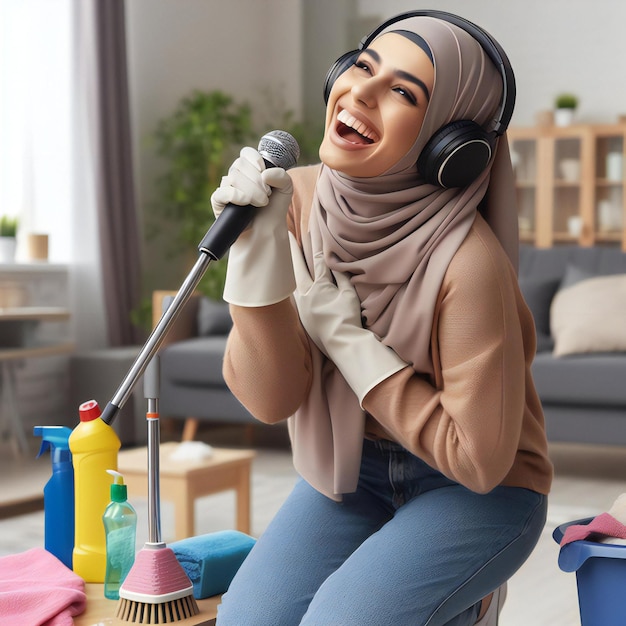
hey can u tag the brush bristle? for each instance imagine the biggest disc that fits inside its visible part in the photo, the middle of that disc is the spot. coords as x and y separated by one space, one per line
157 590
164 613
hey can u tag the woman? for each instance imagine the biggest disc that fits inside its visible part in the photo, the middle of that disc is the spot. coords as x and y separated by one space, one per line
402 360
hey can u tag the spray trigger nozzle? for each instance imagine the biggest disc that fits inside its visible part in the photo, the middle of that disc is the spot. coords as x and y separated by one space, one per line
54 439
45 446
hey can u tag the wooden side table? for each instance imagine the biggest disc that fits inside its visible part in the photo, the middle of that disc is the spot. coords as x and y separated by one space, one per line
182 482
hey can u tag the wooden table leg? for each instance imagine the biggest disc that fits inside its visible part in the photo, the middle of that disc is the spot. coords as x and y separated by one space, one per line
177 492
243 499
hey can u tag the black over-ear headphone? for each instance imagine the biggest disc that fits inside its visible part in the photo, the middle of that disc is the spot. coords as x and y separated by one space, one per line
459 151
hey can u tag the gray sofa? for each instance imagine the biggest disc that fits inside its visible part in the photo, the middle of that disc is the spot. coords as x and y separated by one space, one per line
584 395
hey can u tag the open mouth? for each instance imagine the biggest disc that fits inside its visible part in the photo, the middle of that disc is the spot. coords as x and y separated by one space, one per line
353 130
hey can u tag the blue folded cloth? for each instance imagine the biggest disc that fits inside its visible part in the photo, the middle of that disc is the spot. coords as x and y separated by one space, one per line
211 561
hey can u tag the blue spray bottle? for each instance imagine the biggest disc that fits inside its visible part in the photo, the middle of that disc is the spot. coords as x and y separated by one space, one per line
58 494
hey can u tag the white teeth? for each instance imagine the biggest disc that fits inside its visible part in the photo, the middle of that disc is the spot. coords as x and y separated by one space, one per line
360 127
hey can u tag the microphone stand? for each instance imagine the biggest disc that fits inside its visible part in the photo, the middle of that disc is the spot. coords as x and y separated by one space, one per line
212 247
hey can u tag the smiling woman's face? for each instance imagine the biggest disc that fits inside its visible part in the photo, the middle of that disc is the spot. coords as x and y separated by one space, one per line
376 107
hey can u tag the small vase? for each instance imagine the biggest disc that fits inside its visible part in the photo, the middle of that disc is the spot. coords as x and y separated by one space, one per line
7 249
564 117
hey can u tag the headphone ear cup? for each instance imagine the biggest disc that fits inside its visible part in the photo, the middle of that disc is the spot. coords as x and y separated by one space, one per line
456 154
339 67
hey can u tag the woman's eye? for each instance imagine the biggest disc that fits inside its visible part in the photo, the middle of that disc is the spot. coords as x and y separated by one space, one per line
406 94
362 65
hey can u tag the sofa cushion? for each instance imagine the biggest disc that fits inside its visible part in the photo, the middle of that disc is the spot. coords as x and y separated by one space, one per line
591 379
213 317
590 316
195 361
573 275
545 343
553 262
538 293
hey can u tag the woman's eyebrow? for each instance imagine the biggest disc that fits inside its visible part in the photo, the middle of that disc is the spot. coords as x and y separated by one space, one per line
401 73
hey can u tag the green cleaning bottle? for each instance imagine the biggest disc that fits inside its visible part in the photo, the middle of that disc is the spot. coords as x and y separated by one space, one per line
120 528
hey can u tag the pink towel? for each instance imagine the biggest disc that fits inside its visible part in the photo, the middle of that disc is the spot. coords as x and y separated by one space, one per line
36 589
604 525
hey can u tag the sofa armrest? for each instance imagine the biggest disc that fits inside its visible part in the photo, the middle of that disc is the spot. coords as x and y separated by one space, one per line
186 324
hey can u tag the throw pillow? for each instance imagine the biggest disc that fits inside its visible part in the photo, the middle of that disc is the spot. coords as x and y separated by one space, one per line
590 316
213 317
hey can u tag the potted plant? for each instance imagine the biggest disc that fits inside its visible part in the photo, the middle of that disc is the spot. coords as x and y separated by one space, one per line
8 238
196 142
565 108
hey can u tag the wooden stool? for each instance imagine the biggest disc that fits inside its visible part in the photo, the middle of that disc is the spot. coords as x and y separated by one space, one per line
181 482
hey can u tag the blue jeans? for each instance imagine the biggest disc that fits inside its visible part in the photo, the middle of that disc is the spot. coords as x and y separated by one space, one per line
408 548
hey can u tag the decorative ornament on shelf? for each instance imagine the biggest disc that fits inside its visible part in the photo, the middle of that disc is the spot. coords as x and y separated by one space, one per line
37 247
8 238
544 119
565 109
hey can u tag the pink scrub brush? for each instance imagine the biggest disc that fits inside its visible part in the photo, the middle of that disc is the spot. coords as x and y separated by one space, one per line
157 590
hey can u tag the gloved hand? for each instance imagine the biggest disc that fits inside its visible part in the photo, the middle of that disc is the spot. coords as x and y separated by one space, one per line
259 270
331 314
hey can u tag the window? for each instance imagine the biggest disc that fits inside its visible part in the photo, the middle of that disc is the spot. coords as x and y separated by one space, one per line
36 130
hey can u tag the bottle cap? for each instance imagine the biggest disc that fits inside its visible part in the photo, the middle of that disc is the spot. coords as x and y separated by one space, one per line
89 411
119 492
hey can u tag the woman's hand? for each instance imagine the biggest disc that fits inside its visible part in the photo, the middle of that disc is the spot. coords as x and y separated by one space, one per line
330 312
259 269
325 302
249 183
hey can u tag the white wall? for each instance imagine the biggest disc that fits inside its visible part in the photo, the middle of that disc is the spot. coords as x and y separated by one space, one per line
553 45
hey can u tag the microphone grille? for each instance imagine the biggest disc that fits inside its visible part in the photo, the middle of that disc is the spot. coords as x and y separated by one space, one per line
279 148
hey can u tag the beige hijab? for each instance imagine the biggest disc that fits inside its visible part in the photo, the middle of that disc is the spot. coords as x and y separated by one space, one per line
395 236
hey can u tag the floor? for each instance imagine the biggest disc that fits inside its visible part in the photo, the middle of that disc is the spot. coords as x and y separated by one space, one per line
588 479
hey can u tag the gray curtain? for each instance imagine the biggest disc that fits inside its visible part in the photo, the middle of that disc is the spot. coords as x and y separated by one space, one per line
117 214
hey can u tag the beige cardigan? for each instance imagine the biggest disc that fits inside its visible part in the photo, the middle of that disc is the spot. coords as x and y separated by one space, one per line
479 421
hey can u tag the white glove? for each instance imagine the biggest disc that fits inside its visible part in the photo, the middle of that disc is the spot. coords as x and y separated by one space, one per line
331 314
259 270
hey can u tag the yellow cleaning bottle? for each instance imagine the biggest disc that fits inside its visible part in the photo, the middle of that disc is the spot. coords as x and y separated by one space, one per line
94 445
